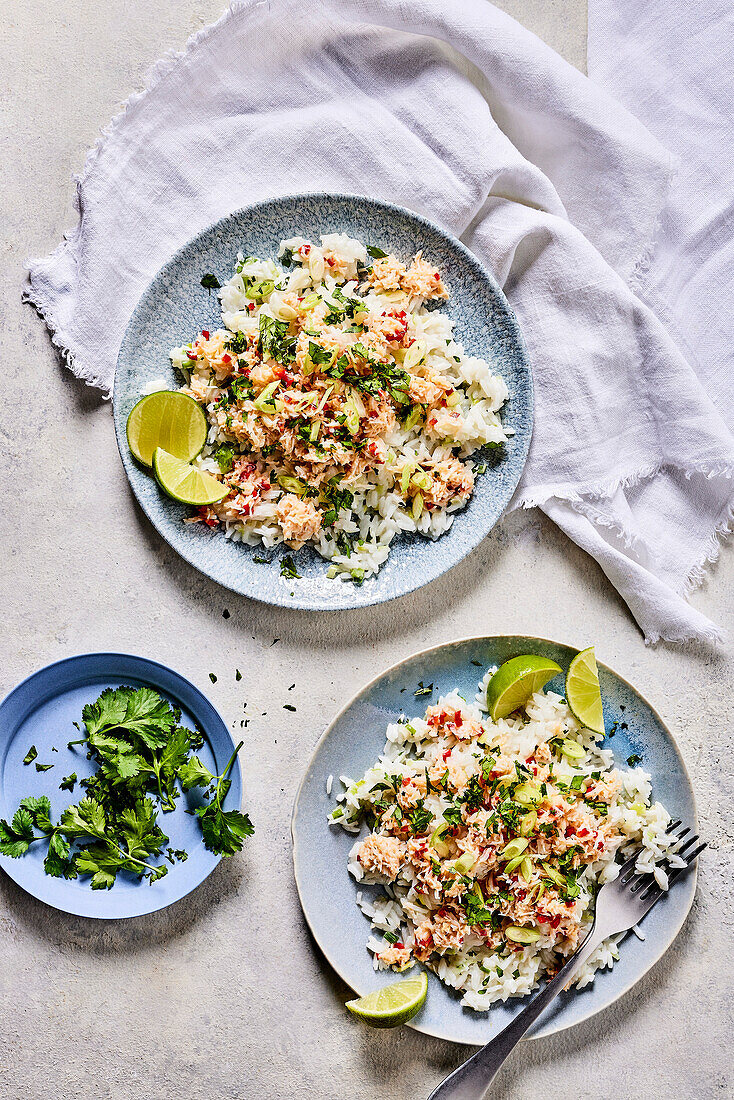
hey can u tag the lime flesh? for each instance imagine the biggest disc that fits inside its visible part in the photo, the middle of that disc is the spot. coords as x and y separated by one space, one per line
515 681
166 419
184 482
582 691
392 1005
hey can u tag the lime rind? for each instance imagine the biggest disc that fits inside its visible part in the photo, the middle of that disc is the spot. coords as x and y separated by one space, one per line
583 693
184 482
516 680
392 1005
168 419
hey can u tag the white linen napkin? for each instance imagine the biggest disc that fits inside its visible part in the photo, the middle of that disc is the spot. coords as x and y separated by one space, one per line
459 113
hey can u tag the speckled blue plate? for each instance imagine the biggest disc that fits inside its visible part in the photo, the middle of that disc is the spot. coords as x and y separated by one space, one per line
353 742
175 306
41 711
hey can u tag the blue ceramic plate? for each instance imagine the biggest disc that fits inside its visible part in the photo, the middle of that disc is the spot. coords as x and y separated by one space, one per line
175 306
353 742
41 711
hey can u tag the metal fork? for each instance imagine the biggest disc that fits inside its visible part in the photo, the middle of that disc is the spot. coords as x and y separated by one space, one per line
620 905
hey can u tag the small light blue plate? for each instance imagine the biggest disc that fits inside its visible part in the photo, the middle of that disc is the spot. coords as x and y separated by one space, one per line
175 307
41 711
353 742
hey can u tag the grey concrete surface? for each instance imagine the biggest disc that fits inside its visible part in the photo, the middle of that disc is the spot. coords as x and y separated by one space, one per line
225 995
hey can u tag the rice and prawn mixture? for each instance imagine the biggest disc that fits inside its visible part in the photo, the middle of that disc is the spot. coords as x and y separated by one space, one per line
491 839
341 410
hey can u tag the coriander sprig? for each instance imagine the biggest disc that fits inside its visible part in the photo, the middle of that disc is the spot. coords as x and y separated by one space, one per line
143 757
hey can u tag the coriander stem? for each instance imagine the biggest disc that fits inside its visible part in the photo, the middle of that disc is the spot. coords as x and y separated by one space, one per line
223 776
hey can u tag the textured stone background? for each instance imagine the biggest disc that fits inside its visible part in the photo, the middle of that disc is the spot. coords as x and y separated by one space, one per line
224 995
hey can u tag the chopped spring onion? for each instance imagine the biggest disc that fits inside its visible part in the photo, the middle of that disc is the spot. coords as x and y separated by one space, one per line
262 402
572 750
452 398
553 875
515 848
259 290
417 509
527 794
529 821
309 303
406 475
526 869
292 484
332 572
464 863
313 435
522 935
442 849
415 354
412 418
421 480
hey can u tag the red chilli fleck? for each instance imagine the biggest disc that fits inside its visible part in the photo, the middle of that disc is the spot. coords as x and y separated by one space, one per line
205 334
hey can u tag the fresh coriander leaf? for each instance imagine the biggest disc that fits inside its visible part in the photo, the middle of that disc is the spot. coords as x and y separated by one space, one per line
375 252
194 774
634 759
210 282
223 830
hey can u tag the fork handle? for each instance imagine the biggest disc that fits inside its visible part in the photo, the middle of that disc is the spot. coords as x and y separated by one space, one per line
472 1079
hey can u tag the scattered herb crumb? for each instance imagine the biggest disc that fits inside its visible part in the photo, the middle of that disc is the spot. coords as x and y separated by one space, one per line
54 749
43 767
274 642
477 664
632 760
67 783
288 568
237 675
225 614
423 689
291 687
288 706
31 755
210 282
212 677
259 559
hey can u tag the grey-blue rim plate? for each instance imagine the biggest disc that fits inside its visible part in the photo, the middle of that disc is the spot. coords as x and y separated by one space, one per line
354 741
175 307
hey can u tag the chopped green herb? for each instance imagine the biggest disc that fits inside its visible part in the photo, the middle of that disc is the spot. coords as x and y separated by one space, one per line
210 282
43 767
237 675
635 758
31 755
212 677
67 783
375 252
289 706
288 568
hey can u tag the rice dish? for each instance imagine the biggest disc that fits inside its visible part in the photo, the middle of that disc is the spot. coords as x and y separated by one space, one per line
490 840
341 410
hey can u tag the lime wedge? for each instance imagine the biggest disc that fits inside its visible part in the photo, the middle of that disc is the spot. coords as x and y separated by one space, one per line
392 1005
515 681
166 419
184 482
582 691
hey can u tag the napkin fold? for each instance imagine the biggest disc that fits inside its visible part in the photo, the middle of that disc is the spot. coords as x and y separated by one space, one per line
459 113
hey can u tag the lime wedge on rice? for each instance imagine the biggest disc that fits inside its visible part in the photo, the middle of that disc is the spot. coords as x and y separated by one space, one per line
515 681
166 419
184 482
392 1005
582 691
